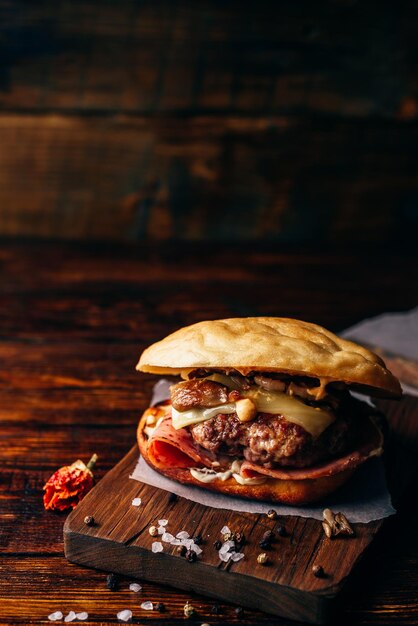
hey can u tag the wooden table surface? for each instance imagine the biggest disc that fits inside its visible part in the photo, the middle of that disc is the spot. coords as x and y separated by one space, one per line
74 319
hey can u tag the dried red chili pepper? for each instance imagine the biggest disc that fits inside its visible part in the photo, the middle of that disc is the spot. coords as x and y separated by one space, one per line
68 485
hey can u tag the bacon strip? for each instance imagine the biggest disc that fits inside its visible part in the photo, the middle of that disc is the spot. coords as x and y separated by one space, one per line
168 447
370 444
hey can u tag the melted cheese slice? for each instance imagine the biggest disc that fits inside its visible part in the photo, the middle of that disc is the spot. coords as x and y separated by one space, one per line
180 419
313 419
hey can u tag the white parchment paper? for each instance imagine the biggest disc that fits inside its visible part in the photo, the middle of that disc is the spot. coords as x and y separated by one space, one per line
394 332
365 498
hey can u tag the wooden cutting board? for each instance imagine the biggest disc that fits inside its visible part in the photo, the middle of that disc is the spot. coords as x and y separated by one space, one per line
120 542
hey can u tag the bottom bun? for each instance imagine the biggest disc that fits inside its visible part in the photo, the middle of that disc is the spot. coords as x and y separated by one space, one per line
286 491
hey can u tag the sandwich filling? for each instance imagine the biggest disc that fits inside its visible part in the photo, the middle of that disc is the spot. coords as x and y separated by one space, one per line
271 420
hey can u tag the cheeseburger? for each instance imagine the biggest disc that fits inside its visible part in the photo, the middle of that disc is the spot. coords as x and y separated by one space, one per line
263 409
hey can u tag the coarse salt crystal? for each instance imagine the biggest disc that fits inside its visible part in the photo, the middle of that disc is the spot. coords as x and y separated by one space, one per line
163 522
226 547
124 615
82 616
157 546
183 534
136 502
161 530
135 587
236 556
187 542
53 617
70 617
147 606
167 537
196 548
176 542
225 530
225 556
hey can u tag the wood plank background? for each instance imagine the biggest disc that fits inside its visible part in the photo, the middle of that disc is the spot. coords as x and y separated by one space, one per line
276 121
73 320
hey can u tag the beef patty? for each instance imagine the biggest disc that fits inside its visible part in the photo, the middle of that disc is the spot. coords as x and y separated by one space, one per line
271 440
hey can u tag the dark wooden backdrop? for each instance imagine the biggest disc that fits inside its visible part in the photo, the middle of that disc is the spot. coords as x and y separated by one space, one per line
235 120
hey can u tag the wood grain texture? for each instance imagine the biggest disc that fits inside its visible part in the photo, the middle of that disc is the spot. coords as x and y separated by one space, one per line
73 321
120 542
207 178
340 58
209 121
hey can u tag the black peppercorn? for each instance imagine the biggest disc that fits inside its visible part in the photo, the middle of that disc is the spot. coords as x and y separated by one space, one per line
265 544
281 531
172 498
268 535
318 571
160 607
112 582
181 550
89 520
215 609
239 611
239 539
217 544
272 514
191 556
198 540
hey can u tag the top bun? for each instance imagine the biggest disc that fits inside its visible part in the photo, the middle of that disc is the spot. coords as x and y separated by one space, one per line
270 344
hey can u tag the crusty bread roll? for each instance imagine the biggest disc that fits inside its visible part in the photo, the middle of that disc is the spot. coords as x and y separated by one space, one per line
270 344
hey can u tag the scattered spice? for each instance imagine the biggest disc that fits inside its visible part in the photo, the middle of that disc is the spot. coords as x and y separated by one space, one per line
188 609
191 556
227 536
281 531
89 520
272 514
318 571
266 540
153 531
172 498
160 607
183 534
327 529
68 485
262 558
335 524
70 617
240 539
124 615
205 624
82 616
198 540
217 544
181 550
225 530
112 582
157 546
57 615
